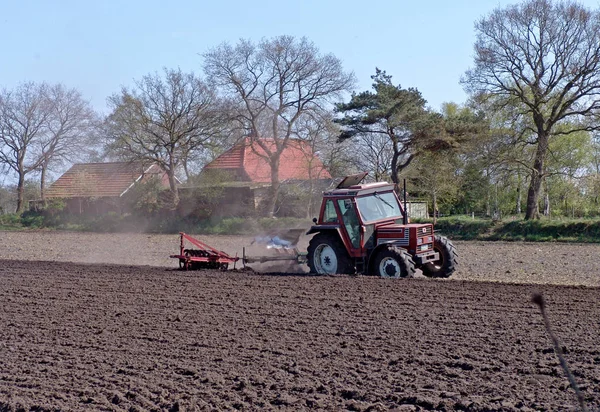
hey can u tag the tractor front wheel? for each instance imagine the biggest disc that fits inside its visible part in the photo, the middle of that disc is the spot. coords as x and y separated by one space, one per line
445 266
327 255
394 262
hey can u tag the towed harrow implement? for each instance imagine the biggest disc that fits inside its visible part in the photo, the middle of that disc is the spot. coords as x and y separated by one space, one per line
204 256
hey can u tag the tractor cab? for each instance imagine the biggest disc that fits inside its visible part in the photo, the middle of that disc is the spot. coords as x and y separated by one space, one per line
364 228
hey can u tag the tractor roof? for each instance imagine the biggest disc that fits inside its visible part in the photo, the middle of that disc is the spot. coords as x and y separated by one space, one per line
359 190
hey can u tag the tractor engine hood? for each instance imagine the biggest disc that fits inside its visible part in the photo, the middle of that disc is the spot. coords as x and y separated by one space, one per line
403 234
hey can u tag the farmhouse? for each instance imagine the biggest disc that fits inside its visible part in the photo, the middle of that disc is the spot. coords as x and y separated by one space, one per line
96 188
246 162
244 175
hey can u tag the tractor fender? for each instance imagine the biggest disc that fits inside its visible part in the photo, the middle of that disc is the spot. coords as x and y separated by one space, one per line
375 251
328 228
323 228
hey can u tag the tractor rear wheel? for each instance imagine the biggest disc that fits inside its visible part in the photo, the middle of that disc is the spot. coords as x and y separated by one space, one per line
445 266
394 262
327 255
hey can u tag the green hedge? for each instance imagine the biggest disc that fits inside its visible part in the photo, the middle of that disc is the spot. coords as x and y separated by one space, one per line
543 230
463 228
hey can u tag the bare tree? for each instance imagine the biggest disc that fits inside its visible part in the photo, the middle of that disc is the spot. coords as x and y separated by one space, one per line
164 120
24 114
69 126
546 55
377 153
316 134
41 126
275 83
321 132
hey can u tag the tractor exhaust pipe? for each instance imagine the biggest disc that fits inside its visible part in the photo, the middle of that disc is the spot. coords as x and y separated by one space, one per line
405 217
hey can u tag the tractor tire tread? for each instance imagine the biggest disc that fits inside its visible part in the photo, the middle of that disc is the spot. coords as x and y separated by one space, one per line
449 256
401 255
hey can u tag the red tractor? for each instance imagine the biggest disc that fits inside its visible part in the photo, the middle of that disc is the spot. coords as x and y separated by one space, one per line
364 228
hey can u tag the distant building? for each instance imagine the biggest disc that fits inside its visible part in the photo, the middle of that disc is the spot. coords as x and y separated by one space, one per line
96 188
245 162
244 174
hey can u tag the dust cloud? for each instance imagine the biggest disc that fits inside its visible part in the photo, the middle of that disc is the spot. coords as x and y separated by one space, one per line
277 253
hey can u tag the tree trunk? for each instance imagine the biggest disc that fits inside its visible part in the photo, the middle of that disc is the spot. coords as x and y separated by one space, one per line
271 204
394 172
43 184
435 207
488 204
547 199
21 193
311 189
397 168
518 209
496 205
186 171
533 193
173 188
537 174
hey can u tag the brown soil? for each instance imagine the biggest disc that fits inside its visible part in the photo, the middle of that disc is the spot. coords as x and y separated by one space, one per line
101 336
514 262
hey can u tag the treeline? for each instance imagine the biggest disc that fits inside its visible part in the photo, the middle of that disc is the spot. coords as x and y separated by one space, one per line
524 144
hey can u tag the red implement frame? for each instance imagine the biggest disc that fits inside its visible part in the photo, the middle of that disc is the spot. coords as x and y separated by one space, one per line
205 257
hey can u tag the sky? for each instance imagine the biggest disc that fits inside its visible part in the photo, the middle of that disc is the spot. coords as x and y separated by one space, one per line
100 46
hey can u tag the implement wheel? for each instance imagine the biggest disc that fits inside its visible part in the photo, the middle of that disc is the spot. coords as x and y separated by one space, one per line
445 266
394 262
327 255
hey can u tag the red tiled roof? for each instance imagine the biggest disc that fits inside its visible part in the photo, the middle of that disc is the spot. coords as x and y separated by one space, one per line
231 159
99 179
245 162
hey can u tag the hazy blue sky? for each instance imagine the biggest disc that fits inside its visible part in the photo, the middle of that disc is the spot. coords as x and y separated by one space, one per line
98 46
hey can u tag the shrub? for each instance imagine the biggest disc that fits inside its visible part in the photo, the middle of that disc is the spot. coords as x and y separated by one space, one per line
10 221
32 219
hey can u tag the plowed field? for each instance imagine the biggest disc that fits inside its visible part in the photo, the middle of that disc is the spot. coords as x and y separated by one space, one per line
103 336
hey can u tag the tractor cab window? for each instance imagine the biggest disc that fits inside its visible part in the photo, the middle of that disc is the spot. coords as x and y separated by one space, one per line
329 214
379 206
350 221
